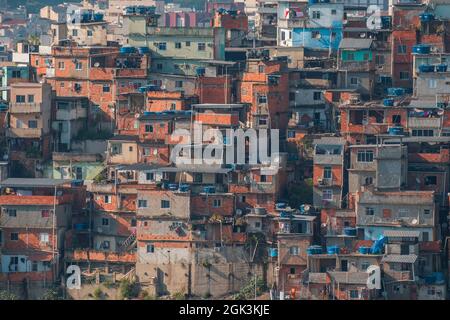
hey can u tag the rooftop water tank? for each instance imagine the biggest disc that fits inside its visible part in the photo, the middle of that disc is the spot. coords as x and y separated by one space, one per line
426 68
127 50
364 250
98 16
348 231
273 252
396 131
314 250
395 92
143 50
184 188
280 205
441 68
388 102
426 17
209 189
421 49
333 250
173 186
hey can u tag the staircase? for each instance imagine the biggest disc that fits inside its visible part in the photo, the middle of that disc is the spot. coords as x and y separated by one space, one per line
129 243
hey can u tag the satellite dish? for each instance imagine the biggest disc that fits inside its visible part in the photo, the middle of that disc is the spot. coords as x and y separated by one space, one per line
96 64
414 221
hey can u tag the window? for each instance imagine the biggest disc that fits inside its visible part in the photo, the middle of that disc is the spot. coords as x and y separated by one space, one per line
14 236
422 133
32 124
201 46
79 66
257 225
34 266
105 222
354 294
217 203
43 237
354 81
404 75
401 49
261 68
432 83
369 211
327 173
188 43
177 45
12 213
315 35
365 265
327 195
159 66
396 118
107 199
365 156
89 33
333 12
106 88
142 203
20 99
165 204
425 236
368 181
31 98
430 180
150 248
379 60
178 84
292 270
162 46
262 99
75 32
317 95
291 134
198 178
150 176
316 14
350 56
426 211
148 128
61 65
105 245
242 199
293 251
173 106
130 149
45 213
16 74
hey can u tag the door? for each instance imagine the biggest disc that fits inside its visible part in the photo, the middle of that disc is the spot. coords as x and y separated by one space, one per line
344 265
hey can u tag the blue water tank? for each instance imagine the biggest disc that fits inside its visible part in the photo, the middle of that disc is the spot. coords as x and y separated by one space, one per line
81 226
388 102
284 214
209 189
280 205
396 92
143 50
314 250
421 49
364 250
184 188
127 50
273 252
439 277
426 17
200 71
441 68
396 131
333 250
173 186
98 16
348 231
426 68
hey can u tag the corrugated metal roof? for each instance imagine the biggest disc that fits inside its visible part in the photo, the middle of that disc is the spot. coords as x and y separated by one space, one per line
401 233
408 258
33 182
350 43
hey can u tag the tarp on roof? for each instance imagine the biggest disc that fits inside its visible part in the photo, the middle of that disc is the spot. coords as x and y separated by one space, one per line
350 43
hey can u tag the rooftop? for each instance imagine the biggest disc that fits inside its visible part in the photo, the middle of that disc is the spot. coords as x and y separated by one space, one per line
33 182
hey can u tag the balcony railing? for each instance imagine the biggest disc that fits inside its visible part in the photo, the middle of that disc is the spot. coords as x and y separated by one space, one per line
24 133
26 107
417 122
71 114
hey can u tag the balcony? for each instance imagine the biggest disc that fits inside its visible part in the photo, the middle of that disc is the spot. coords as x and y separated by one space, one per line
131 73
72 114
292 23
417 122
26 108
24 133
325 182
356 66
